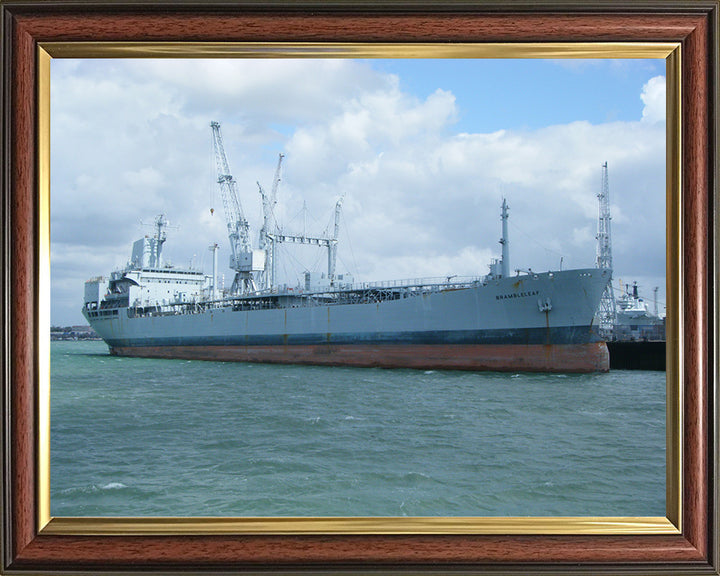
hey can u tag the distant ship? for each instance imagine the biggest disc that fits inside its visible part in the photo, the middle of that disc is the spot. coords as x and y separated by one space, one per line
526 322
634 320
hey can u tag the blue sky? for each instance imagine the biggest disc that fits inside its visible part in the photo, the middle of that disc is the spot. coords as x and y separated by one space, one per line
530 94
422 151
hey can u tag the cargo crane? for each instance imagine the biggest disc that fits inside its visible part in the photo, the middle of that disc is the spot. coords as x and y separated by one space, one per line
267 242
329 242
243 259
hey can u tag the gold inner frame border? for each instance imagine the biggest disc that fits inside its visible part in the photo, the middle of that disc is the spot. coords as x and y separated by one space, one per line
670 524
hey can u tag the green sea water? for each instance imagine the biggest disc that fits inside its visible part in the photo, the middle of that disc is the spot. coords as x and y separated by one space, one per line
143 437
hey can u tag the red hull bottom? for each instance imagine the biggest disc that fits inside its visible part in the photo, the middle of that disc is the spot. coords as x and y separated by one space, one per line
592 357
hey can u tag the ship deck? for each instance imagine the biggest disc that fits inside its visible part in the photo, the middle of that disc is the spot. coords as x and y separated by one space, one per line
296 297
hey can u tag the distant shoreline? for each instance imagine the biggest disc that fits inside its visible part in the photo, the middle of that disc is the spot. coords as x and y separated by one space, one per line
72 333
72 338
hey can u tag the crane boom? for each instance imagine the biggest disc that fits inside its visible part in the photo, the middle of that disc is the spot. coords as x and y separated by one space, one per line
269 202
243 259
267 230
276 182
228 186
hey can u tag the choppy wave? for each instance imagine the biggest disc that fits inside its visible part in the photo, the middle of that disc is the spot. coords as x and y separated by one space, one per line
140 437
93 488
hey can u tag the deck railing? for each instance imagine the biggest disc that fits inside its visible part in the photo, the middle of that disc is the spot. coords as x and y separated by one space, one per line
300 297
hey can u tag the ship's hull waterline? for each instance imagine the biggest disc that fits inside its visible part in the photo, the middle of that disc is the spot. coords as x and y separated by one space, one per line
531 322
591 357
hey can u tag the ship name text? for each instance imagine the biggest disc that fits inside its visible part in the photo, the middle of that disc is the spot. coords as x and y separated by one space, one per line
517 295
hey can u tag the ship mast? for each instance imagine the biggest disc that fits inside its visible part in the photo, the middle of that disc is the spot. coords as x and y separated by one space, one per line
160 237
505 242
214 290
332 247
606 310
152 257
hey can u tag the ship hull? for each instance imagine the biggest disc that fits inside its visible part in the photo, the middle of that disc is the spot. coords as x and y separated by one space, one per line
534 322
590 357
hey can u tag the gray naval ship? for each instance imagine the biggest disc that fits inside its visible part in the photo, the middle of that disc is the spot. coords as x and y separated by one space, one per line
523 322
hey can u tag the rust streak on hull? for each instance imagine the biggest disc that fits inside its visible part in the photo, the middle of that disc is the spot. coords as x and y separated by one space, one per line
592 357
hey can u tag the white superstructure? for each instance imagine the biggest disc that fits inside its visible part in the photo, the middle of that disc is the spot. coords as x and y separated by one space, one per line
146 281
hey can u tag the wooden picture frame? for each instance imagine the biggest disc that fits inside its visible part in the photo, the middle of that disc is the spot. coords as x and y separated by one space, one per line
685 543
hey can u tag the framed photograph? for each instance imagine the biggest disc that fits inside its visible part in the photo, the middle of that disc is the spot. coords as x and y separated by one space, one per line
60 143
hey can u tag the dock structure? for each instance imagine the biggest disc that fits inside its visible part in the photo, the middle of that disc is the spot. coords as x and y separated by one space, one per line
637 355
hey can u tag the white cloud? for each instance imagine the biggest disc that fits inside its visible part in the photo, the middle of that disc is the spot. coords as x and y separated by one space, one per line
653 97
131 139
